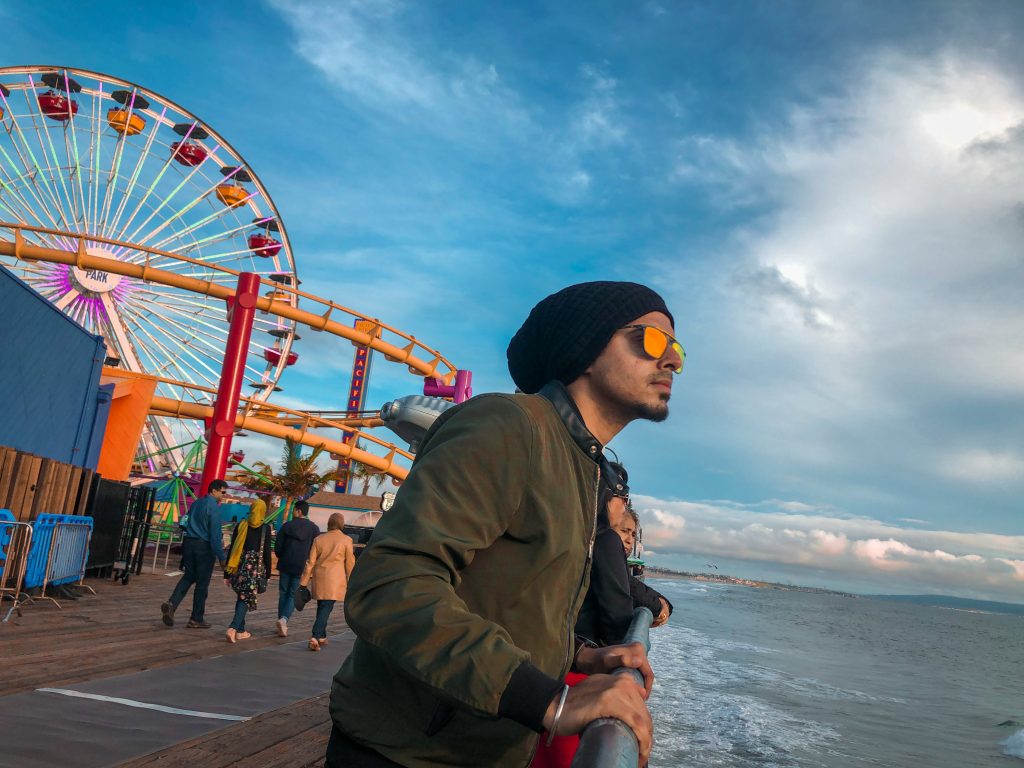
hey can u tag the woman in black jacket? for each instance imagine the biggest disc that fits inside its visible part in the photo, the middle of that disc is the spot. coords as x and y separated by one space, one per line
642 594
607 609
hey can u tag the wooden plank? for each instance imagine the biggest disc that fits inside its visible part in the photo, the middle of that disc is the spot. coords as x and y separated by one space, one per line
26 472
10 459
85 486
60 489
7 460
44 487
294 736
19 484
71 496
33 476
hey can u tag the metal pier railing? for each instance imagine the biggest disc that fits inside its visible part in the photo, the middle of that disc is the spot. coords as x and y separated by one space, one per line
608 742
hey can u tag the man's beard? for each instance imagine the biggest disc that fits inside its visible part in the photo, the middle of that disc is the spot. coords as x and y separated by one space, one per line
657 412
624 410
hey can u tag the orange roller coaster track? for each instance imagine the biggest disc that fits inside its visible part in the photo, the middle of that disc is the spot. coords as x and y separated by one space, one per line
164 406
275 421
429 362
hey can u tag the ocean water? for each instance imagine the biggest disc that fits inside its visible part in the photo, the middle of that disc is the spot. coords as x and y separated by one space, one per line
756 677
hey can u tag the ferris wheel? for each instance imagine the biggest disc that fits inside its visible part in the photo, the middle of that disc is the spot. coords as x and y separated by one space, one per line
83 153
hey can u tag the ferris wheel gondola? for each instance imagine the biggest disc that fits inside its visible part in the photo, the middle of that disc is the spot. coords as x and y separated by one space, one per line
83 153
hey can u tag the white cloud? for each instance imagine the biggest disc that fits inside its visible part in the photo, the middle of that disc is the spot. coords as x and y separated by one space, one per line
847 548
598 121
365 50
982 466
876 295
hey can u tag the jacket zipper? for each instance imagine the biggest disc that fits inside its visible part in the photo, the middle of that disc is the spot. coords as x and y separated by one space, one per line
579 588
586 564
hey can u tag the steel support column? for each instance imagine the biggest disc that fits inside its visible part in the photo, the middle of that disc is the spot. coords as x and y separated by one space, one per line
242 311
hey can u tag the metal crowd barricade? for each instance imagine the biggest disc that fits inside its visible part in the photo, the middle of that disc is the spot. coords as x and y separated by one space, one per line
60 549
15 543
134 533
609 742
167 535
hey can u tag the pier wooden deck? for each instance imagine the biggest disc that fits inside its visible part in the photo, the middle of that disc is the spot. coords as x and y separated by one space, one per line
118 631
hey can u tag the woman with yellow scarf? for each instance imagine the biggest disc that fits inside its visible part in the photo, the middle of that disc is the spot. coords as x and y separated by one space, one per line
248 566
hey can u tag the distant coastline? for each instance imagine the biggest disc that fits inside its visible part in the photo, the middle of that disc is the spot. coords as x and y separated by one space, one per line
957 603
932 601
653 570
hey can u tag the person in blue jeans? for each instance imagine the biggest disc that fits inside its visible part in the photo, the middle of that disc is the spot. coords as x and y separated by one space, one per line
248 566
294 541
329 567
201 547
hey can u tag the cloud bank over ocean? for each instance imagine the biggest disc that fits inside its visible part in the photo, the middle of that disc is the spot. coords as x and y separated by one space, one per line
824 548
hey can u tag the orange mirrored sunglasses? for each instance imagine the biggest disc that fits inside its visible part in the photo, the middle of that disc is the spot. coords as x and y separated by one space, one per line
656 343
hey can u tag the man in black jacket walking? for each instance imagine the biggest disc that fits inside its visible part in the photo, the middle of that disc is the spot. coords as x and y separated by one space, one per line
294 541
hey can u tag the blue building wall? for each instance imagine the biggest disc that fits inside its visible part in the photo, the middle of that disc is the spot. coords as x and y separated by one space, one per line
49 379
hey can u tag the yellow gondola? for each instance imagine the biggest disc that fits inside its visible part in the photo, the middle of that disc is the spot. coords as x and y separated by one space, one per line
232 195
125 123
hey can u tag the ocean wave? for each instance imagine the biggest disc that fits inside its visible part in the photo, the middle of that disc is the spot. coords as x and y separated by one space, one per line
1014 746
705 715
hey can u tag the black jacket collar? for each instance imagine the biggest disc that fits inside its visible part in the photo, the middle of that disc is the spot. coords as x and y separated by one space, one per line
565 407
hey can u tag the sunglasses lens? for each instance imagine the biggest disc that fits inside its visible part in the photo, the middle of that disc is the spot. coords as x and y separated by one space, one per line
655 342
682 356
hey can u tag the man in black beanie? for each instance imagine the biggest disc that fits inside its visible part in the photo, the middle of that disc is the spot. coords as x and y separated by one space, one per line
463 602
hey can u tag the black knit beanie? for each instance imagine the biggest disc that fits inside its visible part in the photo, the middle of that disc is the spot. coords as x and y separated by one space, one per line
567 331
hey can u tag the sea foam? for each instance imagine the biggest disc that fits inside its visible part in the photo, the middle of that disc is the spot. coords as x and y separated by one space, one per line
1014 746
704 716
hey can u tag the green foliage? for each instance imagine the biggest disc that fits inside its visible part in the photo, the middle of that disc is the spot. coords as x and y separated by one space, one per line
295 477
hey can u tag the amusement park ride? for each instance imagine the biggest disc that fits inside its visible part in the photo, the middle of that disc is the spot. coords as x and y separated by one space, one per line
142 223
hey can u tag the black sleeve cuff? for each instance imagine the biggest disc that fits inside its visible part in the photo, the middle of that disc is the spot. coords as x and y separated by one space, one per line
527 696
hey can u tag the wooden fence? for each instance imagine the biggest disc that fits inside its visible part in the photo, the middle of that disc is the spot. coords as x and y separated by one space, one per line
31 485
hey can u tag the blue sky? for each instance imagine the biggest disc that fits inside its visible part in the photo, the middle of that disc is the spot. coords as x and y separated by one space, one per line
827 194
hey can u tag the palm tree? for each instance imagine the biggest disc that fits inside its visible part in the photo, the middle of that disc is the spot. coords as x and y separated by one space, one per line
295 478
359 471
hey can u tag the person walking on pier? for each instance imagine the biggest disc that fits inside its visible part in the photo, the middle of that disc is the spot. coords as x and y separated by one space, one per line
248 566
329 567
464 600
292 546
202 546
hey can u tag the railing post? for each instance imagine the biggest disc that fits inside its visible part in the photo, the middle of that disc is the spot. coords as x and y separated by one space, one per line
608 742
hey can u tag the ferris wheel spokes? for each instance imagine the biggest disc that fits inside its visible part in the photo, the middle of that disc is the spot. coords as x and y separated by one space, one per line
216 215
11 187
212 337
149 191
36 175
44 131
165 202
111 225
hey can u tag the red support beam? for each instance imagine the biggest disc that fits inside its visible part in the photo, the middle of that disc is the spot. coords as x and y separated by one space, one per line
241 311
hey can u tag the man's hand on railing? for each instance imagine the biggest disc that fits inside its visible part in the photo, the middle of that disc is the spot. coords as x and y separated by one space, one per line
595 661
604 695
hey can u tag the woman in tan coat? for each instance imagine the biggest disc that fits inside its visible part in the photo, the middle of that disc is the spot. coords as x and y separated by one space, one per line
329 565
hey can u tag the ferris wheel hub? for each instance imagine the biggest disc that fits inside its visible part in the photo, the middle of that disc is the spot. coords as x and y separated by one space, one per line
93 281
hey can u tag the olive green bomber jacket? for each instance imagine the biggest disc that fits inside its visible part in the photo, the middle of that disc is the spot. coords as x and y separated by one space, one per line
464 601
